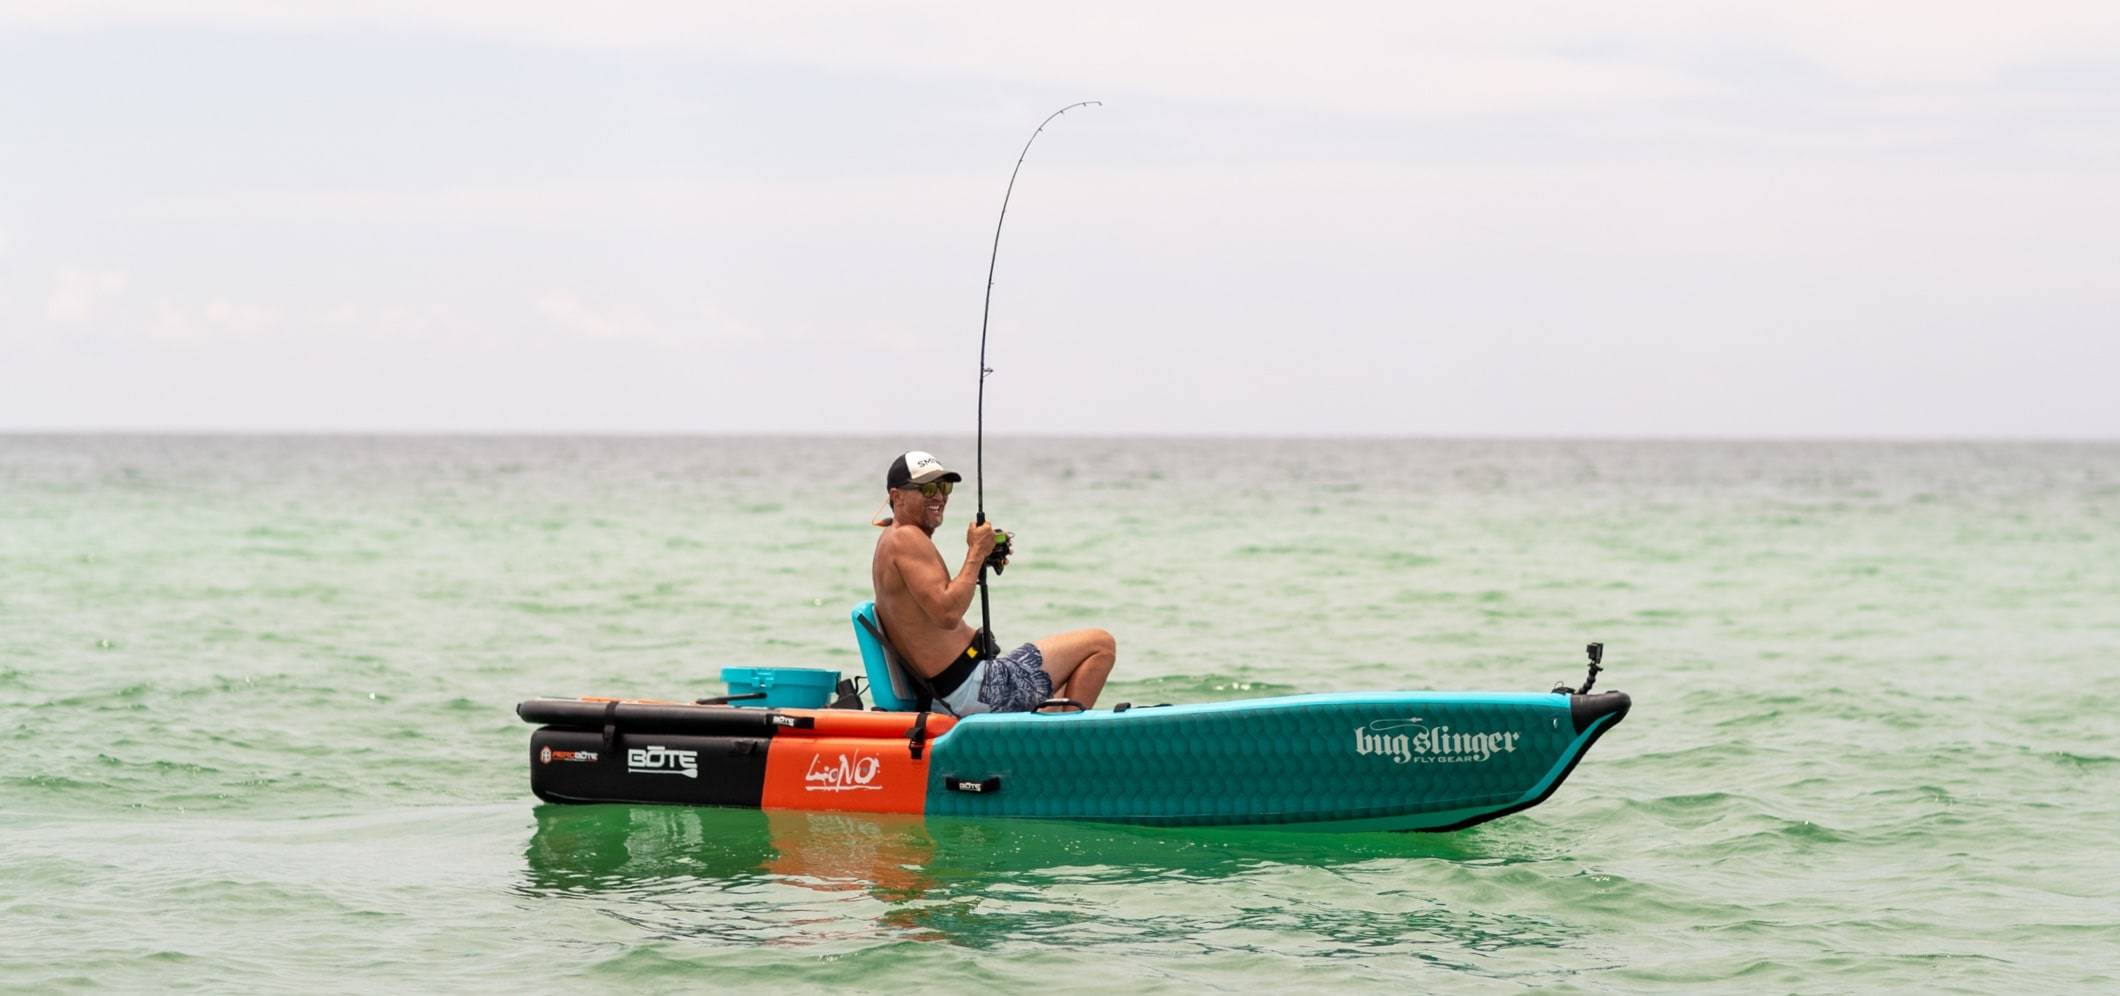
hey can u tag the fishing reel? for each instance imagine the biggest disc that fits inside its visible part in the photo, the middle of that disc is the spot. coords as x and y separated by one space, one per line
999 557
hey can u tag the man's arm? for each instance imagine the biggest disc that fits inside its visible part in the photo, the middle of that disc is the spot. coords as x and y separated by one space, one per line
943 598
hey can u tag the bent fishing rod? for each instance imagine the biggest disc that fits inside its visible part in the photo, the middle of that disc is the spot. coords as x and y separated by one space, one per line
1000 554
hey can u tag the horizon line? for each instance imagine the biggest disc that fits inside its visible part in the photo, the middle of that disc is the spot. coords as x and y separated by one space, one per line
1355 436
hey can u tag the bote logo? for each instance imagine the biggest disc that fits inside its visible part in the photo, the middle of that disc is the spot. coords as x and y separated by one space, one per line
662 761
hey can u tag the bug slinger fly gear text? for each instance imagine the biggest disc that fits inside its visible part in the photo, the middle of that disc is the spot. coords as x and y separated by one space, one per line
1441 744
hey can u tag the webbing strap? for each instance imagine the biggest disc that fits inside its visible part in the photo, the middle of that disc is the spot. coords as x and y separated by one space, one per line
916 738
610 725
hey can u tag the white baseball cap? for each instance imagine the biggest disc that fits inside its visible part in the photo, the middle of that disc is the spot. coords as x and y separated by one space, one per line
917 467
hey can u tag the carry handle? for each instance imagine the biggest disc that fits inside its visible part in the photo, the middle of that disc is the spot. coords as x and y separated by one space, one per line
726 699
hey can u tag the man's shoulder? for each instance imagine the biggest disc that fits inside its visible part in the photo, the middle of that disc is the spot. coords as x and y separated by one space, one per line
898 538
891 545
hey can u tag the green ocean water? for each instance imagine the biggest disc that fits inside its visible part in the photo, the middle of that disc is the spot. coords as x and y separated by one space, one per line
259 694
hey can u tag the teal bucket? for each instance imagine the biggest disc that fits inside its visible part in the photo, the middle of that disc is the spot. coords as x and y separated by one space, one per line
785 687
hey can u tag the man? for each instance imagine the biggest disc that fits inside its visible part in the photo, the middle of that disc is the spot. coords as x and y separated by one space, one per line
922 608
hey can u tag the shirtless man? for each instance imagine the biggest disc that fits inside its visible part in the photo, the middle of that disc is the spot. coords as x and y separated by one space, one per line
922 609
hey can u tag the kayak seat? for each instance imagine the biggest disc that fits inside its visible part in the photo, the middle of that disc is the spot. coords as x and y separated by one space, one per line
888 683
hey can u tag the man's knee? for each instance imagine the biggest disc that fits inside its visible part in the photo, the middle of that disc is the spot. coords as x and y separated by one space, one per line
1066 651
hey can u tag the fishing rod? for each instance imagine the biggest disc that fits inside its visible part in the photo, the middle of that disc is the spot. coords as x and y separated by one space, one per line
1000 554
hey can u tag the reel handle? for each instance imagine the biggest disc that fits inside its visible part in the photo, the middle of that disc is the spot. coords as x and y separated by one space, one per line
999 558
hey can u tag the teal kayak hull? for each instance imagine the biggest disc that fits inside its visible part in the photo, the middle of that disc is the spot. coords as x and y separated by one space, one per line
1336 762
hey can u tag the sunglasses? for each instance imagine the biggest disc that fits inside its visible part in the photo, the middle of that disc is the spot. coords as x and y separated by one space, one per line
930 489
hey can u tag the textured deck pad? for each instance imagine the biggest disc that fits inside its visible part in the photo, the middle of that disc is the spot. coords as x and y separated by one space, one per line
1404 760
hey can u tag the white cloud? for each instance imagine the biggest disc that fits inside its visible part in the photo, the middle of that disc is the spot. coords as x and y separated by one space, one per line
727 328
386 322
778 202
241 319
575 316
1345 56
79 293
569 313
696 326
1744 180
170 323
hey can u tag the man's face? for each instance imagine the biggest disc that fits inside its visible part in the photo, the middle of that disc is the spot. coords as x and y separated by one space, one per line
911 504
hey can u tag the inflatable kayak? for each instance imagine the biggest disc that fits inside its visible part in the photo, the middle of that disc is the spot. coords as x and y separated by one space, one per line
1346 761
1363 761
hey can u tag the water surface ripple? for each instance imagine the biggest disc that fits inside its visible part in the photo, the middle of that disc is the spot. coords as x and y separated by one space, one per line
260 691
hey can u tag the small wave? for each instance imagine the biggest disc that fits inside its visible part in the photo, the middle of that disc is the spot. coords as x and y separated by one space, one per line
1698 800
1196 687
2074 760
653 960
1701 755
53 783
1813 832
1395 558
1748 719
555 609
1284 550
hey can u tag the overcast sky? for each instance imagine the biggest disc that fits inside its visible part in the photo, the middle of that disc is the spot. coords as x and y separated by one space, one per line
1774 218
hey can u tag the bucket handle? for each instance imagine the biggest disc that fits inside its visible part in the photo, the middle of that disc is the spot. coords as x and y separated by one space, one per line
726 699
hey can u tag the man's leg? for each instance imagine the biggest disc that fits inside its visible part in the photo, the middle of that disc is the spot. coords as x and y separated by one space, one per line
1078 662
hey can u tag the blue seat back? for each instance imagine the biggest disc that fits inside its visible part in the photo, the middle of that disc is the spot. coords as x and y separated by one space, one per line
888 686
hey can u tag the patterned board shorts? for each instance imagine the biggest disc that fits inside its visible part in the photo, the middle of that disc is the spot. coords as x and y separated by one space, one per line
1016 681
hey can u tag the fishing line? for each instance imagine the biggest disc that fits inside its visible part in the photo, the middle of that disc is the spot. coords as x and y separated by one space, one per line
986 622
987 310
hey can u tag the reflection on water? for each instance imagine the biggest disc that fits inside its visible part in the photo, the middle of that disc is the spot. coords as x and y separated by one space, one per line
728 876
630 847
